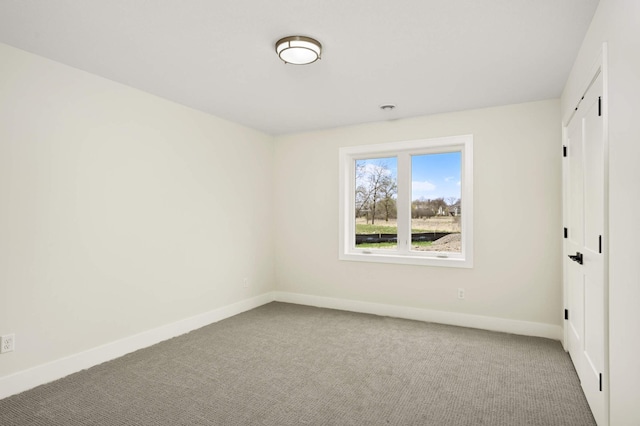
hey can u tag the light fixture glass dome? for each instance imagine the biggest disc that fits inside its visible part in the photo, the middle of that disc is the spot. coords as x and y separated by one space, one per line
298 50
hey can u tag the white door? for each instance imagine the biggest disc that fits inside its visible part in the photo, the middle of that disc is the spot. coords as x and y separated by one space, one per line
584 249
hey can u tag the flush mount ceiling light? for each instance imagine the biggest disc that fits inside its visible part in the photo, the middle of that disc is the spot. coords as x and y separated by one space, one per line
298 50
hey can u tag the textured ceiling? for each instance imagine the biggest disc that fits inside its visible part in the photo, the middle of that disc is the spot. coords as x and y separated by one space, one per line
426 56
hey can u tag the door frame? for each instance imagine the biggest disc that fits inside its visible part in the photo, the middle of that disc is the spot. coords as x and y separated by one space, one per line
600 66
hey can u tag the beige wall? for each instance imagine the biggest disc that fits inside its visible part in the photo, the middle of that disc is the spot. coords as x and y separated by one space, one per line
517 191
123 212
119 211
617 22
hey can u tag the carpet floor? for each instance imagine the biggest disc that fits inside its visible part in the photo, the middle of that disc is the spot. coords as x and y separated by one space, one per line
284 364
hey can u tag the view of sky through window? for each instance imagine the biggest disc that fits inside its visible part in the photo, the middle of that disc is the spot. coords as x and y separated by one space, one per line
433 175
436 176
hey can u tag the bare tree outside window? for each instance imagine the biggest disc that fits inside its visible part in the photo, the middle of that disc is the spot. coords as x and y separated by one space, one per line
376 189
375 203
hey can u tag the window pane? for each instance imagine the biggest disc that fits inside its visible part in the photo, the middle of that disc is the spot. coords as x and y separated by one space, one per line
375 205
436 202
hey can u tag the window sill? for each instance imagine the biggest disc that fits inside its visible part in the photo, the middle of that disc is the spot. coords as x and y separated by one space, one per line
452 261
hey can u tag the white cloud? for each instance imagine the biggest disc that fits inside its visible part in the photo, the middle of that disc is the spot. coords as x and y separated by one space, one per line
376 168
367 170
425 186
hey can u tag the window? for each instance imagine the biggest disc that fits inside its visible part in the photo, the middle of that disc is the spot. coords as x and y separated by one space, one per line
408 202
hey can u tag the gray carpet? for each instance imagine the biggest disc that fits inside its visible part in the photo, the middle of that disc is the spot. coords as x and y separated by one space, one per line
284 364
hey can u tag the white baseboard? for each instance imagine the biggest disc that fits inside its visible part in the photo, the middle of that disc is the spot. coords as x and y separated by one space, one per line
45 373
525 328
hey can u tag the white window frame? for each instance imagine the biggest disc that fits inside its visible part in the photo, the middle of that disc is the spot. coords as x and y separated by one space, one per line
403 152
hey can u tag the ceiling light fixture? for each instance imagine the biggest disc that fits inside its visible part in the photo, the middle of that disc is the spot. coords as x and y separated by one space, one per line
298 50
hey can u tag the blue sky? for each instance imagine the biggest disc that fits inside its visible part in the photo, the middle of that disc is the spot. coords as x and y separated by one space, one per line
433 175
436 175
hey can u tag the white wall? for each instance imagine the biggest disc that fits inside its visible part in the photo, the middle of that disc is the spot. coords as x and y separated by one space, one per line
617 22
119 211
517 190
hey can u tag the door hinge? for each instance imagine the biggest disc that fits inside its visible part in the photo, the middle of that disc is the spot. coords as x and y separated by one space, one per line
564 150
566 233
600 382
600 244
566 314
599 106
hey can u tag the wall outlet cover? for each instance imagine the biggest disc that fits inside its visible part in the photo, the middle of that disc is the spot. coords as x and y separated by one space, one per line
7 343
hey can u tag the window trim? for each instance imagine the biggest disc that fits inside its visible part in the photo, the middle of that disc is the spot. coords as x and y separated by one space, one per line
403 151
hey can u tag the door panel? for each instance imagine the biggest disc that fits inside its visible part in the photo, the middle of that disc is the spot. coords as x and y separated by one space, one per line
576 183
595 298
586 281
593 173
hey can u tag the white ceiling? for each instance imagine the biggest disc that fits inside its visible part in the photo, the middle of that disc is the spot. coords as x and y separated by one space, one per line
426 56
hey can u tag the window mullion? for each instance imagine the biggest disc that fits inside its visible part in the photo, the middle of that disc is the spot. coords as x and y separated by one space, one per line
403 204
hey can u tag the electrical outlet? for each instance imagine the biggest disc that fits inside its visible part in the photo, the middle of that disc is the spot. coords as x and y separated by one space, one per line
7 343
245 283
461 293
